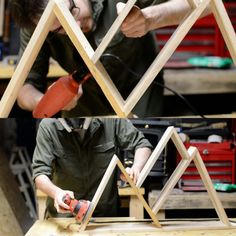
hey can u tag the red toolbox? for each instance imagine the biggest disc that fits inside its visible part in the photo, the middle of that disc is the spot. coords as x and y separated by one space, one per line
219 159
203 39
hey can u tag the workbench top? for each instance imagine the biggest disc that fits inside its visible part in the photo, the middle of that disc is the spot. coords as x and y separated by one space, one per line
7 70
183 80
200 80
129 227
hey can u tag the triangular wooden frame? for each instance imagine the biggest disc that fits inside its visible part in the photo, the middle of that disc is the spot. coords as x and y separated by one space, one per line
192 154
58 9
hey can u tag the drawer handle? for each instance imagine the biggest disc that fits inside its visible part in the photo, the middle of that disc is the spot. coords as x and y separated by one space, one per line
205 151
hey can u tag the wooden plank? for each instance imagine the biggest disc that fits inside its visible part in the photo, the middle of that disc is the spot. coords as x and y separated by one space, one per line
41 203
179 145
129 191
26 61
14 214
9 223
181 200
210 189
155 155
164 56
65 226
192 3
136 208
139 195
174 178
225 26
200 81
2 4
6 70
99 192
85 50
112 31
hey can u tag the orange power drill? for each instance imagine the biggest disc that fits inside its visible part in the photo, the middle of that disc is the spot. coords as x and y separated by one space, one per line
78 208
60 94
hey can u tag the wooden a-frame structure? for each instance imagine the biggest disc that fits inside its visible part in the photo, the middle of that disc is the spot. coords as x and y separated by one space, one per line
58 9
192 154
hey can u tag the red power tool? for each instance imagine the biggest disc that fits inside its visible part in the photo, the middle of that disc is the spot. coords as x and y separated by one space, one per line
60 94
78 208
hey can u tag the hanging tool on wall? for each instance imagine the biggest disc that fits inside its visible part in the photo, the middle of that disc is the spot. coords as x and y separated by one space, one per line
61 93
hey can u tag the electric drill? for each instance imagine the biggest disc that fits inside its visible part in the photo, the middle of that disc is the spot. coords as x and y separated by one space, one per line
78 208
60 93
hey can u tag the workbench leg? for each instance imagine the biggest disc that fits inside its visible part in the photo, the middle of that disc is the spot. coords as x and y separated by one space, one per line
136 208
161 214
41 207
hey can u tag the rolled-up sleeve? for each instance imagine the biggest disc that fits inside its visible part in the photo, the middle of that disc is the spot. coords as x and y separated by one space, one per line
130 137
42 163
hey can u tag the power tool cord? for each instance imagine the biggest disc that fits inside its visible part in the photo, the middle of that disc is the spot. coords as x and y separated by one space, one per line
189 105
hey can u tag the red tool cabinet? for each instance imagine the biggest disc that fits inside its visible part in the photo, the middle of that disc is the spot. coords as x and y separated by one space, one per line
203 39
219 159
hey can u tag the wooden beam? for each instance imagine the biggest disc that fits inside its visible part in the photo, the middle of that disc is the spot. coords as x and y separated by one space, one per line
85 50
154 156
179 145
130 227
174 178
192 3
27 60
139 195
164 56
206 179
14 214
2 11
99 192
112 31
225 26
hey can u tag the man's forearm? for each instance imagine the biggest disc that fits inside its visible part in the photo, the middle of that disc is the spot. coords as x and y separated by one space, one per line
44 184
167 13
28 97
140 158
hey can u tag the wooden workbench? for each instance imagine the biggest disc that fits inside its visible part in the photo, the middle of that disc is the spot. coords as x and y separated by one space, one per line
180 200
6 70
135 206
196 81
184 81
124 227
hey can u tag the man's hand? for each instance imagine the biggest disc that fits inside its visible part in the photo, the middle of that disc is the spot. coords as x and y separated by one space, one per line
59 204
135 24
74 101
133 174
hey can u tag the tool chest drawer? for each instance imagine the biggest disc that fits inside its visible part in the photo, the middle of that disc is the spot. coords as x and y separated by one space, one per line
219 159
203 39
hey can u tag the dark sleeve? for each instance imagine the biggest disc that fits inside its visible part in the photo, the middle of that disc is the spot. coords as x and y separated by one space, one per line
38 73
129 137
146 3
43 154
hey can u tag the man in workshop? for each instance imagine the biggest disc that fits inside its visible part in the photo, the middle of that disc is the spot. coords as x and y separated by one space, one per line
126 59
72 155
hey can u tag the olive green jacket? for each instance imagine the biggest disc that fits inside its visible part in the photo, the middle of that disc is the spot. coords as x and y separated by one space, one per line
134 54
79 165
